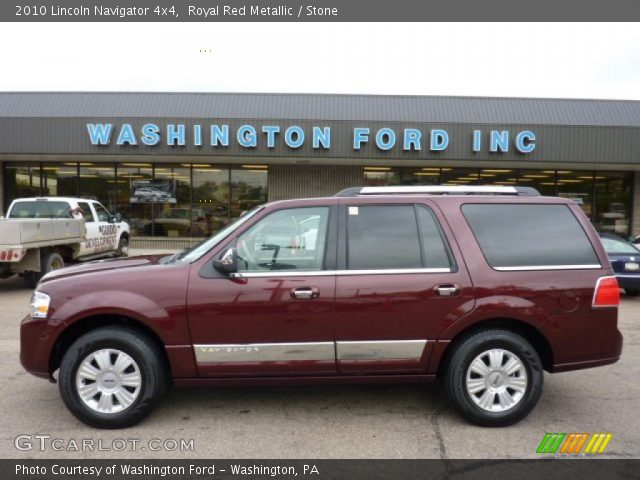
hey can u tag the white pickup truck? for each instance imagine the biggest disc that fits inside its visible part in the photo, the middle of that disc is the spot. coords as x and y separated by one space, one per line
42 234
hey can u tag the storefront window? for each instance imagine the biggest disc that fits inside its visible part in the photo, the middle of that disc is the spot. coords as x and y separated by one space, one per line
421 176
248 188
376 176
172 212
459 176
60 179
21 180
133 208
612 205
498 176
98 182
210 199
542 180
578 186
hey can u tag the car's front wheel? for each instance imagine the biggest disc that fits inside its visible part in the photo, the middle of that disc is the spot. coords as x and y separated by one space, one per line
112 377
494 378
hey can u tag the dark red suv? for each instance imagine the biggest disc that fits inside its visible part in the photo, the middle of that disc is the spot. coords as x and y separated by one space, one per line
482 288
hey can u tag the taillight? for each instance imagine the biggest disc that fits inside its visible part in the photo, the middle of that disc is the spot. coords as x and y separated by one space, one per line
607 293
3 255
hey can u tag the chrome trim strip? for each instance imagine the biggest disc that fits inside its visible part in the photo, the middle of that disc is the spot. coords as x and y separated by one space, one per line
326 273
380 350
549 267
622 275
265 352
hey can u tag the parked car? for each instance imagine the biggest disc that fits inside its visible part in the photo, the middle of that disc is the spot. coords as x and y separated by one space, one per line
400 284
44 233
625 261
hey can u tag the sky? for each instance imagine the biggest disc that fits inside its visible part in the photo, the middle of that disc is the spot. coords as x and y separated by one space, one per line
471 59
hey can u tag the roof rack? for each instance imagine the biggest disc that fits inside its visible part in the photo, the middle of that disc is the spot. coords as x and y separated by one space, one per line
440 190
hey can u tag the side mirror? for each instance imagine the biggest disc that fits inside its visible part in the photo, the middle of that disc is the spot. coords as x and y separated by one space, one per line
228 262
115 218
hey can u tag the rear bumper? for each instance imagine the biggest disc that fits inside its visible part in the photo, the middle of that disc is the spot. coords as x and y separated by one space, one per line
597 362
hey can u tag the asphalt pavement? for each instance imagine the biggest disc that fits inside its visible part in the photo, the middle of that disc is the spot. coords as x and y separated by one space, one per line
397 421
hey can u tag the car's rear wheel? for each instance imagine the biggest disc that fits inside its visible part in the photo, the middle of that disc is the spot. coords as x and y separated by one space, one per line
494 378
112 377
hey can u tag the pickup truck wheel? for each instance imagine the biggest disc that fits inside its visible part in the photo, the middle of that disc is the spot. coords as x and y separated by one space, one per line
123 247
31 279
112 377
494 378
50 261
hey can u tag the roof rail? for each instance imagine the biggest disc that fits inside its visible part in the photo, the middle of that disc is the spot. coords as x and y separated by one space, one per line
440 190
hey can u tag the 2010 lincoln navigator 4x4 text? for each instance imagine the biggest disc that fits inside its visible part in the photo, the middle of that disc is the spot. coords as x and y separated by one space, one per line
481 288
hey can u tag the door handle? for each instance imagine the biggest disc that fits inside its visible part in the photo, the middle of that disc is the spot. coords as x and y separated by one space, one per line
304 293
447 290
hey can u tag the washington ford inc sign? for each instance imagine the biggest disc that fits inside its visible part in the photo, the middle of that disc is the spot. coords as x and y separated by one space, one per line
294 137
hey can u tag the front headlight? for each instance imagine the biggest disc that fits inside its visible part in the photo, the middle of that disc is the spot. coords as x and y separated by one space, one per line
39 304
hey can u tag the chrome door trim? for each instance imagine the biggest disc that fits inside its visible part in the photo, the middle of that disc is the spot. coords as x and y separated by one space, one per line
325 273
549 267
265 352
380 350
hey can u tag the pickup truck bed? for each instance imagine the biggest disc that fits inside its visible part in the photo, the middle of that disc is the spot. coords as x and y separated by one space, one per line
40 232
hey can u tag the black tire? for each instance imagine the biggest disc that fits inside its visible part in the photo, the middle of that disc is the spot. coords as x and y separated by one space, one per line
632 292
466 351
31 279
123 247
141 349
49 261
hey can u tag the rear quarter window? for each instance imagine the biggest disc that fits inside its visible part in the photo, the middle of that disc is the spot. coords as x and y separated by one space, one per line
526 235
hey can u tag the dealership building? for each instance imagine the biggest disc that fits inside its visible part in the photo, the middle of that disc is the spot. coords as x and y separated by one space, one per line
201 159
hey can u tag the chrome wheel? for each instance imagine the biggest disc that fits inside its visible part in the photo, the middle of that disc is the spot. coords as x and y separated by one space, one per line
496 380
108 381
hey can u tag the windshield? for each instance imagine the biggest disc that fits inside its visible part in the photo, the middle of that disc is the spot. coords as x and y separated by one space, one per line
613 245
198 251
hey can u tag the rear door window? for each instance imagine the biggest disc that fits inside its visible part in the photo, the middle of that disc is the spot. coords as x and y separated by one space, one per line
383 237
521 236
435 248
87 213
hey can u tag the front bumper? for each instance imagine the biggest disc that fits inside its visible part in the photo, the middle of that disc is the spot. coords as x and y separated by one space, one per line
36 342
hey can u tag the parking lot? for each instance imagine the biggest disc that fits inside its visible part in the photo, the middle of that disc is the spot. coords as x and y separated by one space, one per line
401 421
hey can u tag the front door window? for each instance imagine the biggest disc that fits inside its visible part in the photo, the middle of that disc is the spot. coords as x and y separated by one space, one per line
290 239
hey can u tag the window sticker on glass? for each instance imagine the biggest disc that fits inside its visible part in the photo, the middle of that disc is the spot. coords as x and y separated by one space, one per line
353 210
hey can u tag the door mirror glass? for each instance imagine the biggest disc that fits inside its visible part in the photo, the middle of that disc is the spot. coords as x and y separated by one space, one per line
228 262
